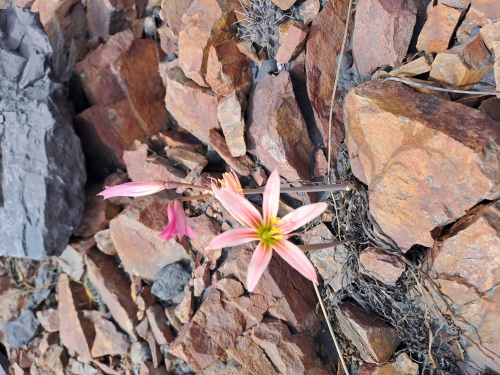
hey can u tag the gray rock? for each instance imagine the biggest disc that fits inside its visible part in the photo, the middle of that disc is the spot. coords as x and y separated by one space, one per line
170 281
19 331
42 170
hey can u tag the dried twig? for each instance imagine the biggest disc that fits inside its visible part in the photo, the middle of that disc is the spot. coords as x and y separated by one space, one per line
417 84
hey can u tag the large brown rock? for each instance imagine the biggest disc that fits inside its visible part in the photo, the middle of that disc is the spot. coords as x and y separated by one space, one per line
231 114
200 24
463 66
322 48
277 132
193 106
108 340
481 13
382 266
242 165
292 39
466 268
172 11
382 33
121 80
113 286
438 28
426 160
135 235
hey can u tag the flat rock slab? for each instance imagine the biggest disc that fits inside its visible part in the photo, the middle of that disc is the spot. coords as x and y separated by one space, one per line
42 170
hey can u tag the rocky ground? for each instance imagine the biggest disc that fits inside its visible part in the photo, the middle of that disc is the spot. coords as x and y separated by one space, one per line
183 90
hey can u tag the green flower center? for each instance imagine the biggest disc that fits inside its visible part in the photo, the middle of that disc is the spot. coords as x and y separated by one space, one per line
269 234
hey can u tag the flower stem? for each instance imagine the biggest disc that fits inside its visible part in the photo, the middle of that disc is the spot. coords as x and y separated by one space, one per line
283 189
327 317
321 246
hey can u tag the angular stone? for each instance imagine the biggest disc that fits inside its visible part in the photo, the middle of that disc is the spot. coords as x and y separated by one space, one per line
64 23
251 356
105 243
247 48
178 139
42 169
171 281
147 368
172 318
185 309
108 341
158 323
114 288
201 281
277 132
402 365
206 230
293 38
462 66
284 4
108 17
490 34
76 332
290 354
322 48
491 107
206 17
438 29
141 167
414 68
172 11
466 268
386 41
414 184
71 262
168 42
52 361
227 68
481 13
375 340
320 164
20 330
49 319
242 165
308 9
188 159
382 266
231 115
154 354
193 106
135 235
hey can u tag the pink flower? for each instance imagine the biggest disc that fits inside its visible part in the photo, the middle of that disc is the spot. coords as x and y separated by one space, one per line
270 231
132 189
177 223
231 182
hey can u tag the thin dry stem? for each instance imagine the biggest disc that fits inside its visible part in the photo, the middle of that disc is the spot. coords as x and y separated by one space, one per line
416 84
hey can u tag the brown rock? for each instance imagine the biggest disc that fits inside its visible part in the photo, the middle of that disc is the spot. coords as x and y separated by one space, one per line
172 11
260 177
49 319
382 266
104 242
52 361
64 23
114 288
144 300
386 41
375 340
277 132
108 341
107 17
290 354
231 115
158 323
144 331
462 66
168 42
135 235
194 107
308 10
185 309
71 262
188 159
76 332
23 3
172 318
140 167
491 107
403 365
490 34
247 48
292 39
206 230
206 17
323 47
251 356
147 368
320 164
227 68
242 165
438 28
413 68
410 169
201 275
178 139
481 13
284 4
468 273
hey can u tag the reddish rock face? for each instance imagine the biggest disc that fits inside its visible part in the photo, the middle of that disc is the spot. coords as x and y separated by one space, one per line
135 235
322 48
382 266
284 4
426 160
108 340
481 13
382 33
172 11
193 106
375 340
242 165
277 132
206 230
231 114
438 28
466 268
293 38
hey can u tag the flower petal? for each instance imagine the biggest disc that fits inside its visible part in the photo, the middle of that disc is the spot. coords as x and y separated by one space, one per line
271 200
260 259
233 237
301 216
241 209
132 189
296 258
